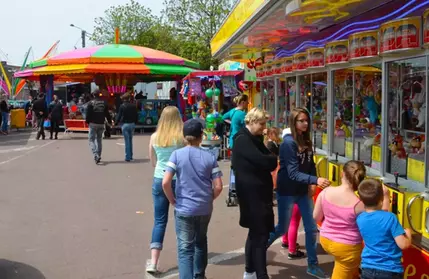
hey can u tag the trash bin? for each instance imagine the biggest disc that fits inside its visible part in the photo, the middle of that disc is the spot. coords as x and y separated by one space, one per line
17 118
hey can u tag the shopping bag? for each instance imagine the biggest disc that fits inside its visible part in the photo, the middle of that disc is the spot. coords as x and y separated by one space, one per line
47 123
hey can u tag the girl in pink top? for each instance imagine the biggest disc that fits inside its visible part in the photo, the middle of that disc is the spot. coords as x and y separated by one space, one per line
339 234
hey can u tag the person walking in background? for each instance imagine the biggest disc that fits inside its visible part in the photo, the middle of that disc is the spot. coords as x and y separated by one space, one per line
4 110
235 117
56 116
41 110
338 207
290 237
96 115
382 234
198 184
295 183
128 117
253 164
167 138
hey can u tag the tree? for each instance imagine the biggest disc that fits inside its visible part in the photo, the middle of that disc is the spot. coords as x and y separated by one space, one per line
134 20
197 21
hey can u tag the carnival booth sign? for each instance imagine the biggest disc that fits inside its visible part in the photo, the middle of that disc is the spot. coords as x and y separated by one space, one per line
287 66
300 61
260 72
363 45
400 35
277 67
268 69
426 28
316 57
337 52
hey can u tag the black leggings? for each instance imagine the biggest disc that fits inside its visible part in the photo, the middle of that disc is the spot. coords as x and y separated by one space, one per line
256 254
55 127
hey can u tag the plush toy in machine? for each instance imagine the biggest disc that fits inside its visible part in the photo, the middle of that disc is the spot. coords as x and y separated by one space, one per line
397 147
347 132
416 143
422 116
369 142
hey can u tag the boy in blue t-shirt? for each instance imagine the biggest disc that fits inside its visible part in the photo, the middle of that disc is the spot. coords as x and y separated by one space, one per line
198 184
383 236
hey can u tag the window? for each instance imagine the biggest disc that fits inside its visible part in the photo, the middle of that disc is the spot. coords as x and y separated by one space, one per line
407 117
343 114
319 109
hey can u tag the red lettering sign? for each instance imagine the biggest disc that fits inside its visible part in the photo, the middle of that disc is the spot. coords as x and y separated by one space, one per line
363 45
400 35
316 57
337 52
300 61
426 27
287 65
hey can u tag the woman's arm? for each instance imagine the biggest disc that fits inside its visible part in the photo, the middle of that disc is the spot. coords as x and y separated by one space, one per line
152 154
318 209
227 117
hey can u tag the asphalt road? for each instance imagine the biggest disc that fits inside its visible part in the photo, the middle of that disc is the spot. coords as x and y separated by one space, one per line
63 217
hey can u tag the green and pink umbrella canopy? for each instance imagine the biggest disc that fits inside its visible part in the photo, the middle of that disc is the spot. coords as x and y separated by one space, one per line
111 59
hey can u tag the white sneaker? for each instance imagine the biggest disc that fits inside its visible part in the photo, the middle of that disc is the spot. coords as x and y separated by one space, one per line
249 275
151 268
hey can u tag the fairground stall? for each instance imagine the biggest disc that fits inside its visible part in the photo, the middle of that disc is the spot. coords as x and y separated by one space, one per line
115 68
361 69
206 96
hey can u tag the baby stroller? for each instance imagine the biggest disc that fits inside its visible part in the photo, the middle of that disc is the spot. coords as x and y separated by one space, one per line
232 200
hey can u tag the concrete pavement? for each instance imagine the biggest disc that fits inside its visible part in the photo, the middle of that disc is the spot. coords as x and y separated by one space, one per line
62 216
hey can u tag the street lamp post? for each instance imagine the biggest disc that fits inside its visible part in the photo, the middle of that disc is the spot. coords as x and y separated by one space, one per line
83 34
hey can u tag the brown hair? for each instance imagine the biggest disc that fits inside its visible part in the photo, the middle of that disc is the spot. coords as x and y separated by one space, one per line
273 134
126 97
354 172
241 98
303 140
370 192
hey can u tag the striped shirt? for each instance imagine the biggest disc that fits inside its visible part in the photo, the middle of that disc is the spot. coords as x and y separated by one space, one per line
195 169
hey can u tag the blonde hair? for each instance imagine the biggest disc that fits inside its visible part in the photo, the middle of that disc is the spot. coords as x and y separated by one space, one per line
255 115
304 140
241 98
169 131
355 173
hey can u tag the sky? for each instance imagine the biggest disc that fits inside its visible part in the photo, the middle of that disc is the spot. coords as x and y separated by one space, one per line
40 23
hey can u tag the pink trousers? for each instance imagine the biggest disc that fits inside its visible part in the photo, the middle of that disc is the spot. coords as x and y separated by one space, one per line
291 236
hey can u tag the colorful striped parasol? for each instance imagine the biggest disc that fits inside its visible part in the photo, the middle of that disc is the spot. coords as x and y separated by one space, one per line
111 59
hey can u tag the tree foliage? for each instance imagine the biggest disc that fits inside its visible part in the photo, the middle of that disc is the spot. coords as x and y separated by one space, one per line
185 29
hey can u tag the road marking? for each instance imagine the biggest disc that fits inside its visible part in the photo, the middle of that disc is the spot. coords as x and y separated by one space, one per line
119 143
17 149
212 261
139 212
28 152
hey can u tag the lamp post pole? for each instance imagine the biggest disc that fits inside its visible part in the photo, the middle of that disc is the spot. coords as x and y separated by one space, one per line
83 34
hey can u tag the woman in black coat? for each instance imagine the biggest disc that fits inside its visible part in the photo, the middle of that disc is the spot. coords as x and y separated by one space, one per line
253 164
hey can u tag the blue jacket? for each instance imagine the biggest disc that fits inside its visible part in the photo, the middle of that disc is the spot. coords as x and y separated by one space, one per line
297 169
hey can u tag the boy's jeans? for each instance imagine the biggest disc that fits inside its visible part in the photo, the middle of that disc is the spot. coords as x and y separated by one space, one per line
285 207
369 273
191 233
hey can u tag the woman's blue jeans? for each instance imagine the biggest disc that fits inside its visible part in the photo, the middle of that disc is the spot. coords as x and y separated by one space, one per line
161 206
285 207
128 132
